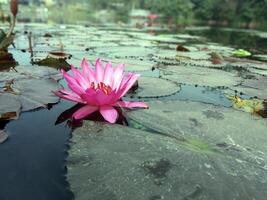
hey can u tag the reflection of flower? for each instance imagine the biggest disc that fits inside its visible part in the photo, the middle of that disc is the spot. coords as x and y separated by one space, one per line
100 89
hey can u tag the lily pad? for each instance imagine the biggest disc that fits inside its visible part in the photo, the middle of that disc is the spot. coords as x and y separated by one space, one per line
114 162
125 52
10 106
37 71
155 87
212 124
254 87
35 93
260 57
54 62
199 76
241 53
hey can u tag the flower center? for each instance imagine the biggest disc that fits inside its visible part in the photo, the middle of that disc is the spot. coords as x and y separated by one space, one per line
101 86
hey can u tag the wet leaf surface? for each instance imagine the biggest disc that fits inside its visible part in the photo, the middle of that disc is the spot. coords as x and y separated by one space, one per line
3 136
113 162
149 87
199 76
10 106
53 62
35 93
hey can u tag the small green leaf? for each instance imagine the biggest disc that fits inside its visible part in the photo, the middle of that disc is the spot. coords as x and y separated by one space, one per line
241 53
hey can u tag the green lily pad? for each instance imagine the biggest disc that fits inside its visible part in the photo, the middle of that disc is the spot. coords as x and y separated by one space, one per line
125 52
212 124
10 106
35 93
260 57
253 87
53 62
199 76
113 162
37 71
241 53
258 71
155 87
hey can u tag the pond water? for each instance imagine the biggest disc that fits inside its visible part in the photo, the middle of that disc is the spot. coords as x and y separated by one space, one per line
203 137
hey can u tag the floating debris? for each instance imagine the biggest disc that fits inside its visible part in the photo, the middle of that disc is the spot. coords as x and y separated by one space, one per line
253 106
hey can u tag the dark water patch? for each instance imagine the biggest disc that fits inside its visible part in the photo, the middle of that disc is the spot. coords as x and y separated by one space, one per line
33 159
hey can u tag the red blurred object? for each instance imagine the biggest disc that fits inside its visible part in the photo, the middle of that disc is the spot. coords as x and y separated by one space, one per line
152 16
14 7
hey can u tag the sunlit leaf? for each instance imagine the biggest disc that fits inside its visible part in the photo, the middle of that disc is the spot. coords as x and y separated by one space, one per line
241 53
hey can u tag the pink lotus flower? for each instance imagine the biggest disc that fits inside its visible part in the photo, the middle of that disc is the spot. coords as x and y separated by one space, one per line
100 89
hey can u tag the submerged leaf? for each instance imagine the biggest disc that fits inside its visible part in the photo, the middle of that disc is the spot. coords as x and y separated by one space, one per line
35 93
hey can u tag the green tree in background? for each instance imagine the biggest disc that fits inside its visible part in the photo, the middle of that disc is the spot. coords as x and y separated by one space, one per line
177 11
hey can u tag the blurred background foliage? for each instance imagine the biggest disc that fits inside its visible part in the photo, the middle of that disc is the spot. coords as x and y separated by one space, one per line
177 13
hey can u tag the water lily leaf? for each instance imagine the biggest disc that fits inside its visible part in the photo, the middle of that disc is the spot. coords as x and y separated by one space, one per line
37 71
125 52
197 55
10 106
134 65
260 57
258 71
254 87
53 62
35 93
241 53
167 54
155 87
253 106
200 76
113 162
3 136
168 38
213 47
212 124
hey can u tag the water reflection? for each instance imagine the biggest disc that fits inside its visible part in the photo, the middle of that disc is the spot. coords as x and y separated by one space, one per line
96 116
